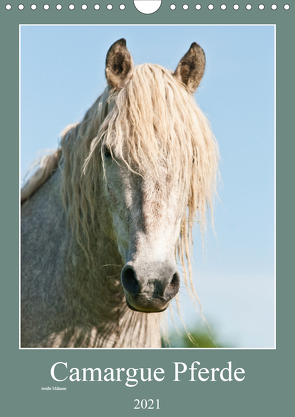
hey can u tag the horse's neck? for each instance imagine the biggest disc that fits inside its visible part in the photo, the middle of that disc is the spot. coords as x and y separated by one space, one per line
67 300
134 330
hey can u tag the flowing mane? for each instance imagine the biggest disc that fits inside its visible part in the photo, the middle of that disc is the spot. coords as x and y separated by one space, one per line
177 133
151 122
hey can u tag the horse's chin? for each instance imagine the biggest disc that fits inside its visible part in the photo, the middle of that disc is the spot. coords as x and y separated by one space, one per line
145 309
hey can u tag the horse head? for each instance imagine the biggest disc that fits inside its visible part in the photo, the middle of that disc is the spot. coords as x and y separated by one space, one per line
159 163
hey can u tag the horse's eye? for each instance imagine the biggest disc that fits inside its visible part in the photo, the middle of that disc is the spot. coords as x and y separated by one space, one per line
107 153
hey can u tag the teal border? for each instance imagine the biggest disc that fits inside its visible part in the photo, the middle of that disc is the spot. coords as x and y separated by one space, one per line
266 389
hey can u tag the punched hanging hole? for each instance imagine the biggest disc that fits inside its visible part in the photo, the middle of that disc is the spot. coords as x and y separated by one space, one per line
147 6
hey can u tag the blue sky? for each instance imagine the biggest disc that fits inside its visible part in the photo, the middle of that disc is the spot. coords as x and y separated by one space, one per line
62 73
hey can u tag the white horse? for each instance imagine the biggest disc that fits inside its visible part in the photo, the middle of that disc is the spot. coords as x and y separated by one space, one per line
105 217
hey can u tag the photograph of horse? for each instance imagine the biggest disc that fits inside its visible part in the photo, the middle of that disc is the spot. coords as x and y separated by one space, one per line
106 215
147 178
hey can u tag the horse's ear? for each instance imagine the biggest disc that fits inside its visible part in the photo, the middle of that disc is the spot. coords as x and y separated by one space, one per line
119 64
191 67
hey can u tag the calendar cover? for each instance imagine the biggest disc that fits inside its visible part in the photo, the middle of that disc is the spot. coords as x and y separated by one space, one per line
146 218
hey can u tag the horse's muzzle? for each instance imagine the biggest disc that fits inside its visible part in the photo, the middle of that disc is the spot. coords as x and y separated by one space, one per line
149 290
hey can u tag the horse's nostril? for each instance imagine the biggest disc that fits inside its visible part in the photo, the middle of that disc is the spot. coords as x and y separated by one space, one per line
129 280
175 282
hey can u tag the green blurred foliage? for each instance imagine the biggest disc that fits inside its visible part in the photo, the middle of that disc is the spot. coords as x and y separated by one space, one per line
200 337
